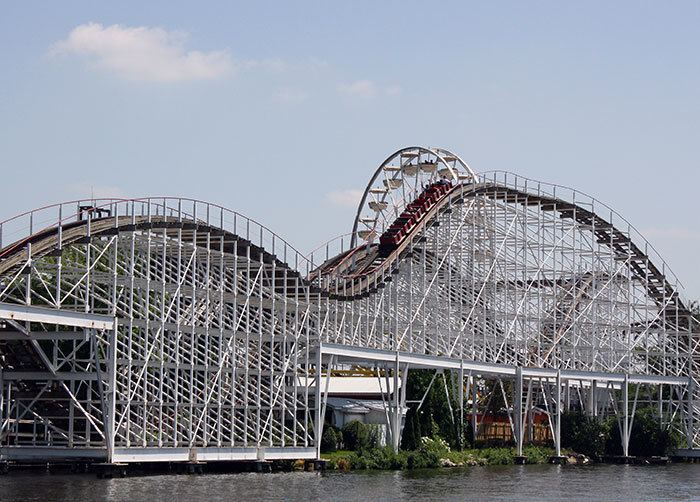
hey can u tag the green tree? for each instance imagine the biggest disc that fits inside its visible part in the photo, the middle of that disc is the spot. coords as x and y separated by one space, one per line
434 418
358 436
331 438
584 434
647 438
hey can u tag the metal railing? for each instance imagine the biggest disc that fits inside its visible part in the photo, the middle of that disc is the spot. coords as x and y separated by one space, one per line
23 226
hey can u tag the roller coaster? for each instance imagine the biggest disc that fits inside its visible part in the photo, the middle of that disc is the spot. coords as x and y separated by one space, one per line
175 330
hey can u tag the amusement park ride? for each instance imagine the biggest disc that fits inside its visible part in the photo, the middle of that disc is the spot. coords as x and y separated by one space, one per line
175 330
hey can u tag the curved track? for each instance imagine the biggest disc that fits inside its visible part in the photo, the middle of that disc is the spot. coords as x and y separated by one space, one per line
355 272
224 330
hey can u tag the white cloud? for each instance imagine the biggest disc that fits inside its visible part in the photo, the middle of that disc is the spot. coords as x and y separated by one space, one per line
344 198
143 53
360 88
367 89
272 65
393 90
85 190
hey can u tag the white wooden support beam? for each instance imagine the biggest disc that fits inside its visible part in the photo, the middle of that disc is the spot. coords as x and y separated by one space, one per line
30 313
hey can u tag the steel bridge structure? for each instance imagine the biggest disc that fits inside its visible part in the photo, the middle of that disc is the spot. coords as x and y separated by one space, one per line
170 329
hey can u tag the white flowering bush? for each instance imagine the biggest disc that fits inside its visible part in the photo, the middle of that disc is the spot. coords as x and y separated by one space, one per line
437 444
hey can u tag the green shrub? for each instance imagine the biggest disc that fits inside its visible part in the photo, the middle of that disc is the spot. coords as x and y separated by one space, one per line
378 458
537 454
647 438
374 435
331 438
357 461
434 419
421 459
428 454
498 456
584 434
358 436
438 445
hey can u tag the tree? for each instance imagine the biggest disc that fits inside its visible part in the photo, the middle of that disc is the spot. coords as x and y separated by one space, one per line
356 436
434 418
331 438
584 434
647 438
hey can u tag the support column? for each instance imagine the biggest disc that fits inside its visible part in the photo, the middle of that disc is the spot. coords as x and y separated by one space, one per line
396 426
557 426
475 422
2 401
518 410
3 463
625 418
404 384
318 429
594 398
691 418
527 413
661 407
461 405
112 386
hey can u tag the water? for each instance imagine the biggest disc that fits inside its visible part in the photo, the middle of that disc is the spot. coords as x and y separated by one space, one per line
537 482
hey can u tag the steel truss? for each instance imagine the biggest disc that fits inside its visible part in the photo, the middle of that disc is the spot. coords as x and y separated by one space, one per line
176 330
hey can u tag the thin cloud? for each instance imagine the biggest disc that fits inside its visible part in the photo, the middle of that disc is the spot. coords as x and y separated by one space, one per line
367 89
344 198
143 54
271 65
360 88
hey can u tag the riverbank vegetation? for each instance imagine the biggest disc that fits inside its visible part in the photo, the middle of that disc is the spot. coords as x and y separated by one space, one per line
431 453
433 438
598 438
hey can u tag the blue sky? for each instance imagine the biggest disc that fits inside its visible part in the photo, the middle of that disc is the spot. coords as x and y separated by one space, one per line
282 110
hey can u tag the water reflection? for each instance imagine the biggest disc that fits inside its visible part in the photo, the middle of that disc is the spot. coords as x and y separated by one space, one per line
537 482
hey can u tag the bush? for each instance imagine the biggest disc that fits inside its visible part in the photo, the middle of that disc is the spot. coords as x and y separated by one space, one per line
438 445
647 438
358 436
428 454
498 456
374 435
434 419
422 459
584 434
331 438
537 454
378 458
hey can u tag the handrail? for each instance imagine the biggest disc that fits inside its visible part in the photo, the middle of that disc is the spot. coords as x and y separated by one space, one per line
29 221
593 201
170 206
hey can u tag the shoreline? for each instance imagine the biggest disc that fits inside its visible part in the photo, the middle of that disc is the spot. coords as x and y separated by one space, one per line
386 459
440 457
343 461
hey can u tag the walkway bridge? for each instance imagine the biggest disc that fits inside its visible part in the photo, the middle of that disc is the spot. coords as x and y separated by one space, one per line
168 329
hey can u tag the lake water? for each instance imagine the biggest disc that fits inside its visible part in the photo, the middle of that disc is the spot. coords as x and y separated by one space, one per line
536 482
